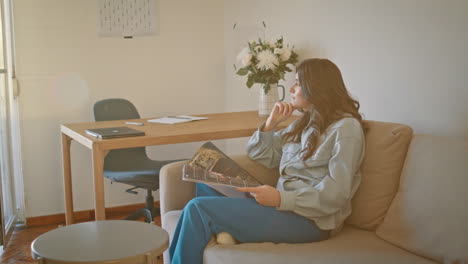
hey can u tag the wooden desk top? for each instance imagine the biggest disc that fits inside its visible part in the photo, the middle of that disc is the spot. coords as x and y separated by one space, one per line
217 126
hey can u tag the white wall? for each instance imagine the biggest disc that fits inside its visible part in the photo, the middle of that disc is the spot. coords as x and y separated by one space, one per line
404 60
64 67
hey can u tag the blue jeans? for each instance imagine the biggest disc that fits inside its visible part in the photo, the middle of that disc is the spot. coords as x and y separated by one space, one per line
247 221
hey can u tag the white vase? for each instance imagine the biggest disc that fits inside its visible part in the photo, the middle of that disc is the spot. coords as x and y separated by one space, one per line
267 101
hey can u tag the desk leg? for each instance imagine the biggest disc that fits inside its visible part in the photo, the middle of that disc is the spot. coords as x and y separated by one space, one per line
67 180
98 167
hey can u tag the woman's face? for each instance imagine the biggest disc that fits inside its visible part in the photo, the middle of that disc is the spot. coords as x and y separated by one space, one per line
297 97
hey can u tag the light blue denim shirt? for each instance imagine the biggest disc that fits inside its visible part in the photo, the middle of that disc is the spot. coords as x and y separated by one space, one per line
321 187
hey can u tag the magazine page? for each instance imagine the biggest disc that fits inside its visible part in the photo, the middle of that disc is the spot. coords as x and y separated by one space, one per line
210 165
197 174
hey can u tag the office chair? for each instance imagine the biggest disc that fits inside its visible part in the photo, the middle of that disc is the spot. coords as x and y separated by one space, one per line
130 166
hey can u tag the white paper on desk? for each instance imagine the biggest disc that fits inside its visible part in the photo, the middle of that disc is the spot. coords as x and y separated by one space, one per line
176 119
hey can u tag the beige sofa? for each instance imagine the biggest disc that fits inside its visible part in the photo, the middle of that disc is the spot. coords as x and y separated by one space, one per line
411 207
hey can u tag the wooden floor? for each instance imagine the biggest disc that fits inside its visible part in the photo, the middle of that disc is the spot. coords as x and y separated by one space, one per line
18 250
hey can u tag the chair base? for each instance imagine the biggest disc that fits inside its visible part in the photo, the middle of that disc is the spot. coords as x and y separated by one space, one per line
143 212
148 212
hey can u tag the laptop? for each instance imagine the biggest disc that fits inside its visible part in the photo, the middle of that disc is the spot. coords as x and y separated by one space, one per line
114 132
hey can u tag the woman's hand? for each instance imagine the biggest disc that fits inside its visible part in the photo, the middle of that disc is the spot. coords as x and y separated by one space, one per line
281 111
264 195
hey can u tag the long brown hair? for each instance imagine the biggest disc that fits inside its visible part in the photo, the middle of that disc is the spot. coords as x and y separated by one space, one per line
322 85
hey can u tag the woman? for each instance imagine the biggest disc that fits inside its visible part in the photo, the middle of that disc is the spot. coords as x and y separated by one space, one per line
318 155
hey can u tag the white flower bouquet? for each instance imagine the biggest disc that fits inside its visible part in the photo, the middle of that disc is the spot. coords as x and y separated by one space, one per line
266 62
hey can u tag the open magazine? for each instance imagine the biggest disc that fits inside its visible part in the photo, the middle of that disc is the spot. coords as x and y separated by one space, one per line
211 166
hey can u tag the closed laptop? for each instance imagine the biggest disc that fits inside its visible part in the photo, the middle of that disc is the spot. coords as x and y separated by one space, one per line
114 132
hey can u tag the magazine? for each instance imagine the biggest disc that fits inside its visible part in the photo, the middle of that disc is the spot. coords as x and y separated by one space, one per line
211 166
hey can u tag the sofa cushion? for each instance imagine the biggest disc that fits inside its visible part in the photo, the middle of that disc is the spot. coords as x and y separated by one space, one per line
386 147
429 214
169 223
351 246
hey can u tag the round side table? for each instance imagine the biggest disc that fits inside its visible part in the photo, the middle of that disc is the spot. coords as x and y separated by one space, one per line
111 241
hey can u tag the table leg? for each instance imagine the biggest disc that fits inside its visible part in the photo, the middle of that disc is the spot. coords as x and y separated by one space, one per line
67 180
98 167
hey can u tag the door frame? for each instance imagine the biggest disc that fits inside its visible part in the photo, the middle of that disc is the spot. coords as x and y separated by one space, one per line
12 128
15 131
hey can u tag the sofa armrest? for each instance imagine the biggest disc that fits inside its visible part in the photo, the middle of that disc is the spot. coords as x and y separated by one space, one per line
174 192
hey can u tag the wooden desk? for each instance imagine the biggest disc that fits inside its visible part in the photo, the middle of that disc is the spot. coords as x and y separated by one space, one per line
217 126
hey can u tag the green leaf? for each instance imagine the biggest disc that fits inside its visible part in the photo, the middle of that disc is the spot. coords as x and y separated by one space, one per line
282 75
242 71
266 88
294 58
250 81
